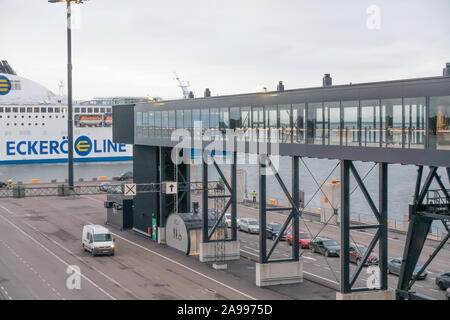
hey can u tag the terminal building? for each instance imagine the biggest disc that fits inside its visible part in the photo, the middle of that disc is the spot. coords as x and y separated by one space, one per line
400 121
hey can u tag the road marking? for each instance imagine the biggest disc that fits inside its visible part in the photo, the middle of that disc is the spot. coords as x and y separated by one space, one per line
314 275
5 292
56 256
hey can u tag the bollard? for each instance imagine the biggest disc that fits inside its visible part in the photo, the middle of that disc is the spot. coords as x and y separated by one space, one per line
18 192
63 190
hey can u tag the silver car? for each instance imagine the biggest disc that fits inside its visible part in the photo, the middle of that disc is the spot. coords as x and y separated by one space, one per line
249 225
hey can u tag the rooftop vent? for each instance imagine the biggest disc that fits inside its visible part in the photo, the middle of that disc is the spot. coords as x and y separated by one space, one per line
6 68
207 93
191 95
446 72
280 86
327 81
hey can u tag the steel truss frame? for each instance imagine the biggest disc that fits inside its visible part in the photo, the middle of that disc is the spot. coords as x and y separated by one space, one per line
381 214
421 217
232 200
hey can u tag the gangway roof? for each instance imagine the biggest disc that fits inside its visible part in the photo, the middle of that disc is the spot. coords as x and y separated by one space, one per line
401 121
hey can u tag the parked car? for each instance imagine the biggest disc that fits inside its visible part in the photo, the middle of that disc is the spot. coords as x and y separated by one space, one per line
394 266
273 230
249 225
326 246
110 188
304 239
97 240
228 219
443 281
126 176
357 252
3 184
447 294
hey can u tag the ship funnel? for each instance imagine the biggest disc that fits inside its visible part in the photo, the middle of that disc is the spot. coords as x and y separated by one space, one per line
191 95
207 93
280 86
446 72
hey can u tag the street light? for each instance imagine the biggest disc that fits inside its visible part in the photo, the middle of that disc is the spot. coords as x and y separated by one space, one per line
69 89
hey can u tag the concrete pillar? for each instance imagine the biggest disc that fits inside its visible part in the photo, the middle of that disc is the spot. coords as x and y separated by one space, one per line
275 273
332 190
208 251
161 235
367 295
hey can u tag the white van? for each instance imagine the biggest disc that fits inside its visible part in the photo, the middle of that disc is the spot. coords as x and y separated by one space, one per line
97 240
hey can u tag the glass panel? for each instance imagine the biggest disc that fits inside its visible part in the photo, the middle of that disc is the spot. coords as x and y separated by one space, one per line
151 123
315 124
171 122
158 124
224 119
145 124
214 118
393 121
439 122
164 123
299 122
187 119
139 124
257 123
414 122
285 117
235 118
370 123
350 130
197 123
179 120
271 120
246 123
332 114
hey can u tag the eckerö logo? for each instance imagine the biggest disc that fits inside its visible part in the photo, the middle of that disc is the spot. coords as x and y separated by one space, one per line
83 146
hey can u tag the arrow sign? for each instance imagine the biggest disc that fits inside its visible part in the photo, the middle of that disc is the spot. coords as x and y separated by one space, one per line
130 189
171 187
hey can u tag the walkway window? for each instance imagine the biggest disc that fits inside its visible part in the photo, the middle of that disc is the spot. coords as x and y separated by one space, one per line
214 118
370 123
179 120
285 116
164 123
172 125
415 115
350 133
224 123
271 123
439 123
139 124
145 124
197 124
332 127
315 125
235 118
157 123
299 122
187 119
393 122
257 123
151 123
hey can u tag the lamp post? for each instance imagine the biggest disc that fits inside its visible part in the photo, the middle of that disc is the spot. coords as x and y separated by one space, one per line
69 89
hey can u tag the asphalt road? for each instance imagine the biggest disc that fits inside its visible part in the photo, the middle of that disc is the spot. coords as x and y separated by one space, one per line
41 237
327 270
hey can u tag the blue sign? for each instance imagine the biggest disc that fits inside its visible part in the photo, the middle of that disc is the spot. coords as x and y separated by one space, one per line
5 86
83 146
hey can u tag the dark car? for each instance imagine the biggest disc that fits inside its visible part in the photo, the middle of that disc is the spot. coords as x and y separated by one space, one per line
443 281
3 184
357 252
126 176
394 266
273 230
326 246
304 239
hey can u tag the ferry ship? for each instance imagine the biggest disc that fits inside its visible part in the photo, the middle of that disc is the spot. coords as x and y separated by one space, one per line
33 124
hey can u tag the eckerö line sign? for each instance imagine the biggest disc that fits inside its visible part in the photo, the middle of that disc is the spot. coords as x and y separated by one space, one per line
83 146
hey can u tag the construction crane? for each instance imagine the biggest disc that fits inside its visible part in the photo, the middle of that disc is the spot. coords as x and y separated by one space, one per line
183 85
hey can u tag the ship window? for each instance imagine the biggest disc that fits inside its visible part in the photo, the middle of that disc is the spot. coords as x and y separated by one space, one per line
90 110
7 109
1 109
29 110
50 109
57 110
15 109
22 109
43 110
36 110
108 109
102 110
83 110
64 110
96 110
77 110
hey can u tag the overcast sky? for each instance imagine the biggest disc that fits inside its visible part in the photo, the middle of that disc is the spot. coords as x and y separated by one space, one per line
231 46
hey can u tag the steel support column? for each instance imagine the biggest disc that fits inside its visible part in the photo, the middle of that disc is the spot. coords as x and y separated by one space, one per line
262 211
295 219
345 226
233 197
383 224
205 201
162 195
